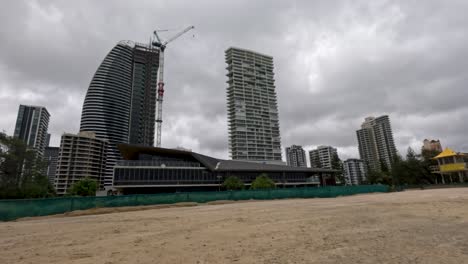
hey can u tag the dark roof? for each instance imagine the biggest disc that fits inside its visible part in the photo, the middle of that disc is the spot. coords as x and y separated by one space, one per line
130 152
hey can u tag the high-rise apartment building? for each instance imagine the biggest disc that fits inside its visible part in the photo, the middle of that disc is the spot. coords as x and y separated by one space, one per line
51 157
254 133
120 103
82 155
31 127
376 144
322 157
354 171
295 156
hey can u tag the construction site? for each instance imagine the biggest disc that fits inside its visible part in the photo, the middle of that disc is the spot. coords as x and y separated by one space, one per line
420 226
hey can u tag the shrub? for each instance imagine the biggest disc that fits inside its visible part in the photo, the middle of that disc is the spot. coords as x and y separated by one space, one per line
233 183
84 187
263 182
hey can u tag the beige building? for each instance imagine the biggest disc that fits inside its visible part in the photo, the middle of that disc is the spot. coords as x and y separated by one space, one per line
81 155
431 145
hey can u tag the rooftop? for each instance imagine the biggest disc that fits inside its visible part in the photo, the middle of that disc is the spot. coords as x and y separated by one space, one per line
131 152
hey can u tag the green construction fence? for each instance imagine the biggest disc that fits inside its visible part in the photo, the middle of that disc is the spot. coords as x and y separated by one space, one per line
14 209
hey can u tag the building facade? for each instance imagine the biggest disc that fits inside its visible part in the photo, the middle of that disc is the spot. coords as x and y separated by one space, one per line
81 155
354 172
153 170
431 145
296 156
254 133
120 104
451 166
31 126
51 158
376 144
322 157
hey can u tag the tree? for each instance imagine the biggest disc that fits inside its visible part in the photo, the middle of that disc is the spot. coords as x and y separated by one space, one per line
21 171
378 177
337 164
412 170
263 182
233 183
84 187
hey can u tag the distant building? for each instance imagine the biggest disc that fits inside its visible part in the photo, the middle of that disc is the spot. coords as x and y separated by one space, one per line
452 166
153 170
354 171
31 127
48 140
296 156
51 157
254 133
376 145
82 155
120 104
431 145
322 157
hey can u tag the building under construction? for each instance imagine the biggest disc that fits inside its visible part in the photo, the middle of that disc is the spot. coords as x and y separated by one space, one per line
120 105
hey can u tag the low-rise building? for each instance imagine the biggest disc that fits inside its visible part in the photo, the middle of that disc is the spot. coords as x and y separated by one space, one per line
354 171
81 155
452 166
152 170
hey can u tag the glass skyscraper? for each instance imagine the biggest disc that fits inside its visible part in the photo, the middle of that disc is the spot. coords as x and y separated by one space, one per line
31 127
120 105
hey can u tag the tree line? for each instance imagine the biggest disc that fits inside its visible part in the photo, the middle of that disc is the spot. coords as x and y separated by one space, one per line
22 173
413 170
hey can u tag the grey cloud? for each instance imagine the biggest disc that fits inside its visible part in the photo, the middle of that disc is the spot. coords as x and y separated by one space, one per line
336 62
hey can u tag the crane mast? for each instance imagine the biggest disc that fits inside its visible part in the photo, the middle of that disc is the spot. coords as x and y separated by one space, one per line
160 92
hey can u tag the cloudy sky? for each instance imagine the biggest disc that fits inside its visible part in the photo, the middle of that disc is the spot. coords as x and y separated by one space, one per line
336 62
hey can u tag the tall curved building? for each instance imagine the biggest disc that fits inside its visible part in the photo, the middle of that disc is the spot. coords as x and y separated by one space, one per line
120 103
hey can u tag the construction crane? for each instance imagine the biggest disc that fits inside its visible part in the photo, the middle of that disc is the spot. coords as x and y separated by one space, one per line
160 95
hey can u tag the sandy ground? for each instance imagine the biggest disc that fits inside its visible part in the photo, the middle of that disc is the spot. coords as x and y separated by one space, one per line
428 226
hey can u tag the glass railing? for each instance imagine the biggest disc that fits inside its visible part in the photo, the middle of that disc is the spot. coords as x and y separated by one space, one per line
156 163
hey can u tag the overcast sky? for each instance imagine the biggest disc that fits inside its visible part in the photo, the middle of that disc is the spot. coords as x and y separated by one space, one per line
336 62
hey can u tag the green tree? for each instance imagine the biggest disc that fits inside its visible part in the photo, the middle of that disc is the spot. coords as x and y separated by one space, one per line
413 170
21 171
428 162
84 187
378 177
337 164
263 182
233 183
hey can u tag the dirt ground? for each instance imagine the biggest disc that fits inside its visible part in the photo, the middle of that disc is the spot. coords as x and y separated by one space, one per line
428 226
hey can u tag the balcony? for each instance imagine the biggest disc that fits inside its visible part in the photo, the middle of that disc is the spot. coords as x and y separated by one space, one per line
453 167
